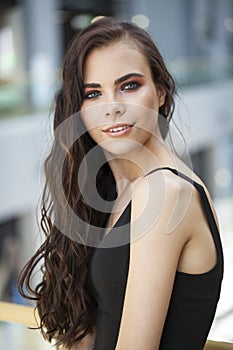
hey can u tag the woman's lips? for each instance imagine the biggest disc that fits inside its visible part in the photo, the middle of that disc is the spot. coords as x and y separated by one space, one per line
118 129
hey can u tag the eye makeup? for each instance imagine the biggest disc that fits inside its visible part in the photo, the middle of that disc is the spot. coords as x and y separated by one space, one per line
130 82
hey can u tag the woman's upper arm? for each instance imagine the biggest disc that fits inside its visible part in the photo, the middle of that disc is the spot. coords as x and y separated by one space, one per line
154 256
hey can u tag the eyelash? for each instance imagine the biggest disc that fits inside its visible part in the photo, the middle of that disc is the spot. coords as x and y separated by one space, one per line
129 86
126 86
88 96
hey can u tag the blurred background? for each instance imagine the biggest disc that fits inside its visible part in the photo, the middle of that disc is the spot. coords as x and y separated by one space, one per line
196 39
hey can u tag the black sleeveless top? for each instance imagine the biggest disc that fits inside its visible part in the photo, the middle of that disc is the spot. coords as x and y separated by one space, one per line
194 297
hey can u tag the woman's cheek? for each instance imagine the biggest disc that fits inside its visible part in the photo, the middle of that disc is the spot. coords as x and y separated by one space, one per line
93 116
148 100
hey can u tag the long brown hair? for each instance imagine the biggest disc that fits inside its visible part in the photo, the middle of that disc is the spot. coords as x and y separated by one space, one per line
64 296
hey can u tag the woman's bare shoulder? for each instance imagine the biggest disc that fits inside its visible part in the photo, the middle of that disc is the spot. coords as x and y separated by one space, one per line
161 198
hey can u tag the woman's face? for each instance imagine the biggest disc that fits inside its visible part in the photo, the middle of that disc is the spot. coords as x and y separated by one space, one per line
121 101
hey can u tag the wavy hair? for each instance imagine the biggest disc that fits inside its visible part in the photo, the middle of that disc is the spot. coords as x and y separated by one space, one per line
64 296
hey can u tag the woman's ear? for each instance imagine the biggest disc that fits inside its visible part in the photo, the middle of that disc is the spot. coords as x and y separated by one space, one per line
162 95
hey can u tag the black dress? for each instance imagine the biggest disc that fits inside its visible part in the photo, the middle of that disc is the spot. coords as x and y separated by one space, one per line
194 297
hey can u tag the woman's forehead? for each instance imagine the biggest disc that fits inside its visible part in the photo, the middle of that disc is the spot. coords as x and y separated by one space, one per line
116 59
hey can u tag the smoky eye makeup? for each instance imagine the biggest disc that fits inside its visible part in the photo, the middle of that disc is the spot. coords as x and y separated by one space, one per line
130 82
127 83
88 95
91 90
130 85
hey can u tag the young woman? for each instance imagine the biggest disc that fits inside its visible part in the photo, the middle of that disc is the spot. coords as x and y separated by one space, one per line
132 257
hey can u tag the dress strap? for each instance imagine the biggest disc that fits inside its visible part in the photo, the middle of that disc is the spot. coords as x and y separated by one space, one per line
206 205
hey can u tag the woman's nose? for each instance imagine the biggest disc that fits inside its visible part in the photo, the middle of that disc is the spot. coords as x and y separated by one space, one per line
114 109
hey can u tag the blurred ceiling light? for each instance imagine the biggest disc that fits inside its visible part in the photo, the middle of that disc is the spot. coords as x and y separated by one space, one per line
223 178
141 20
228 23
96 18
80 21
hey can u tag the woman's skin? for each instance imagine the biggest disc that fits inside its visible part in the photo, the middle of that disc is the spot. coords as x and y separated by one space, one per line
126 94
119 91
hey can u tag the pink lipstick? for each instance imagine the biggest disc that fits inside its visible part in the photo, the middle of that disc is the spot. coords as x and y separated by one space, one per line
118 129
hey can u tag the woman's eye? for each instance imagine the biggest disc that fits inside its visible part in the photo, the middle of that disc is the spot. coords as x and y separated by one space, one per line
91 94
133 85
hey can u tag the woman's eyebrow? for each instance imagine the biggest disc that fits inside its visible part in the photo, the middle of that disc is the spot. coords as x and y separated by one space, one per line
116 82
127 76
92 85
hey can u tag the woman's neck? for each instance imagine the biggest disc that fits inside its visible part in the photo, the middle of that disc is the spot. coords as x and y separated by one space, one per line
128 168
